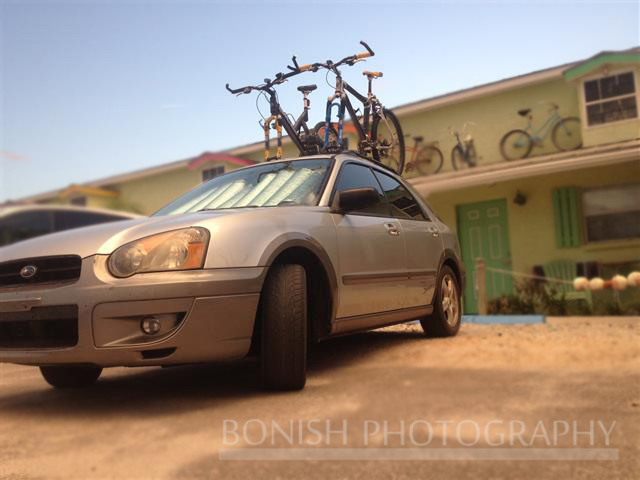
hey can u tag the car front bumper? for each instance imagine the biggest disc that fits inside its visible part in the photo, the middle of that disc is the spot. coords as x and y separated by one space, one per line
204 315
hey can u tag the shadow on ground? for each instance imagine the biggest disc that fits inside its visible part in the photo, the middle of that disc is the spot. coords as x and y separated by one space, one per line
150 391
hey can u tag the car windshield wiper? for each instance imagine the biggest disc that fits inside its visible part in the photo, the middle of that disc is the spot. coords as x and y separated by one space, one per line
226 208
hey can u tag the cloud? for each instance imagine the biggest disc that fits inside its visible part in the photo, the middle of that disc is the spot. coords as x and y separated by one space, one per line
18 157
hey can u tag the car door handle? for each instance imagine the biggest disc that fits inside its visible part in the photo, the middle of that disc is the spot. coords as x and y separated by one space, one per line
434 231
392 229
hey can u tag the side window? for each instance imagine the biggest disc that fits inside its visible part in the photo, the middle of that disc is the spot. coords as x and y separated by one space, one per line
24 225
353 175
403 204
69 220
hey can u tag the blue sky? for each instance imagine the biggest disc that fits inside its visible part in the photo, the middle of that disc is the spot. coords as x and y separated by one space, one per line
92 89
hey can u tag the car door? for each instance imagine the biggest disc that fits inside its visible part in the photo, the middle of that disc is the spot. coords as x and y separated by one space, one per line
422 240
371 251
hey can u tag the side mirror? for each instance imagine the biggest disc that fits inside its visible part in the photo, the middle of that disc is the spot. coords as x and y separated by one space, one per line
356 199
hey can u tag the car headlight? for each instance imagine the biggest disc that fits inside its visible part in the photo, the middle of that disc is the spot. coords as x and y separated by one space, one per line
183 249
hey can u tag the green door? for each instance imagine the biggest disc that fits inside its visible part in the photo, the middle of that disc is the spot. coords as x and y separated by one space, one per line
483 231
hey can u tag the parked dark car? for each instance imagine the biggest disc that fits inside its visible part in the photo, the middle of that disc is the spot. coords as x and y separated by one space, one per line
22 222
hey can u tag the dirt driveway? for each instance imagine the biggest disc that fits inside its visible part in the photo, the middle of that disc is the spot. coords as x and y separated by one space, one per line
168 423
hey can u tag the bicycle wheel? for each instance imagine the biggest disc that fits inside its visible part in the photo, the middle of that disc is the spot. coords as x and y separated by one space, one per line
515 145
429 160
457 159
388 147
472 155
319 130
567 134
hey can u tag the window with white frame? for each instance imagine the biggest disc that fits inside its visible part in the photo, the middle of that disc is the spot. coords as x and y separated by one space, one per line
209 173
611 99
612 213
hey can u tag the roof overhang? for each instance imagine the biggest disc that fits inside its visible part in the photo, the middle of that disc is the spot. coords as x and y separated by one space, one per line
209 157
601 60
543 165
88 191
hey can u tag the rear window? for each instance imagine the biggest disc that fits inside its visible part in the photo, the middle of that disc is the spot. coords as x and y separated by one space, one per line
24 225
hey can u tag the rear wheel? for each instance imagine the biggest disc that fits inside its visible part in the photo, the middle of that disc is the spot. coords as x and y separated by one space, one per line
516 145
388 147
429 160
567 134
70 376
319 132
283 353
447 307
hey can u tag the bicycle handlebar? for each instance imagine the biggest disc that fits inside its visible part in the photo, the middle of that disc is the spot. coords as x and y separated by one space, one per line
297 69
268 83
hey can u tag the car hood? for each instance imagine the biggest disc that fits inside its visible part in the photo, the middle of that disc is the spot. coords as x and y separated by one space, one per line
103 238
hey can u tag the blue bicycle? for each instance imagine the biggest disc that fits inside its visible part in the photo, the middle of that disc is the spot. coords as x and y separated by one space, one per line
565 134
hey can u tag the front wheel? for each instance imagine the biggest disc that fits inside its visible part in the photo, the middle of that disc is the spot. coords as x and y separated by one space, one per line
447 307
283 312
567 134
70 376
516 145
429 160
388 141
458 159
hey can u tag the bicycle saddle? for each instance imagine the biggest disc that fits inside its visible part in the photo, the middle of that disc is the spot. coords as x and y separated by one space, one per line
307 88
372 74
418 139
524 112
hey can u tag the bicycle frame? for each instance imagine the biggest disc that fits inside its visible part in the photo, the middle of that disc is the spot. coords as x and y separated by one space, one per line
546 128
304 116
345 105
281 121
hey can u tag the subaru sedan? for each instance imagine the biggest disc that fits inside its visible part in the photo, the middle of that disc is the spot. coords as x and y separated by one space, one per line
262 261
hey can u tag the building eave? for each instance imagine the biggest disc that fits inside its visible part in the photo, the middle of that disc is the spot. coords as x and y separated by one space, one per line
543 165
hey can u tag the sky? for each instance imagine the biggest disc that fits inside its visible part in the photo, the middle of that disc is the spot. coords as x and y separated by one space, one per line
93 89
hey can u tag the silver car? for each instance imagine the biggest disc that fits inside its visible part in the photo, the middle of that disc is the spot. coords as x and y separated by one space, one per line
263 260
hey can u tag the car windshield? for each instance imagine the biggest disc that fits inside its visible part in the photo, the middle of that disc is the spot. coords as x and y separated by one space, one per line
275 184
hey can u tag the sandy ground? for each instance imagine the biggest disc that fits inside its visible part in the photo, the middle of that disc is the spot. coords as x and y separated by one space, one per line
168 423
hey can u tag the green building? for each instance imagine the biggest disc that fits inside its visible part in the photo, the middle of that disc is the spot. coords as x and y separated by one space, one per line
580 206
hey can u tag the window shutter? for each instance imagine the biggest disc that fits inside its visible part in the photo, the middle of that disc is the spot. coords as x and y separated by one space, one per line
567 219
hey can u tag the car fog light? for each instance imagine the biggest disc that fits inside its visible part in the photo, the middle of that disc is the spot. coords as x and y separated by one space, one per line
150 325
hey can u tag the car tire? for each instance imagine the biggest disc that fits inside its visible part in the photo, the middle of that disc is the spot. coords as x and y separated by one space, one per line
447 306
283 346
71 376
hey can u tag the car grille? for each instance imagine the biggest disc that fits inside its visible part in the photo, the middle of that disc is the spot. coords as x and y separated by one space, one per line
42 327
47 270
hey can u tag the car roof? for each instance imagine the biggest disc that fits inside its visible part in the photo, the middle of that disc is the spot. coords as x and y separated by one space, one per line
11 209
339 157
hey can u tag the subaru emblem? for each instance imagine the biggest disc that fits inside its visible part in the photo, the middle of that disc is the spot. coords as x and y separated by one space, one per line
28 271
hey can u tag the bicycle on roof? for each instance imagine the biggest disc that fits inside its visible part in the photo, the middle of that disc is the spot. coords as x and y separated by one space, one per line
426 159
464 153
304 138
379 132
565 134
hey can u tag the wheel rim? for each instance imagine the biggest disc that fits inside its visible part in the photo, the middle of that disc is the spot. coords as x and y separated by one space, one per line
388 145
568 134
459 162
516 146
429 161
450 304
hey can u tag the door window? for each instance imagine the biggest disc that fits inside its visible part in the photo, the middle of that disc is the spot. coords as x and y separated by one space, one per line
403 204
353 175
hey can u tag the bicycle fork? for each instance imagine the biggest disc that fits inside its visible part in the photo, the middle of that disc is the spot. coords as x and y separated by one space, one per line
327 121
267 148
